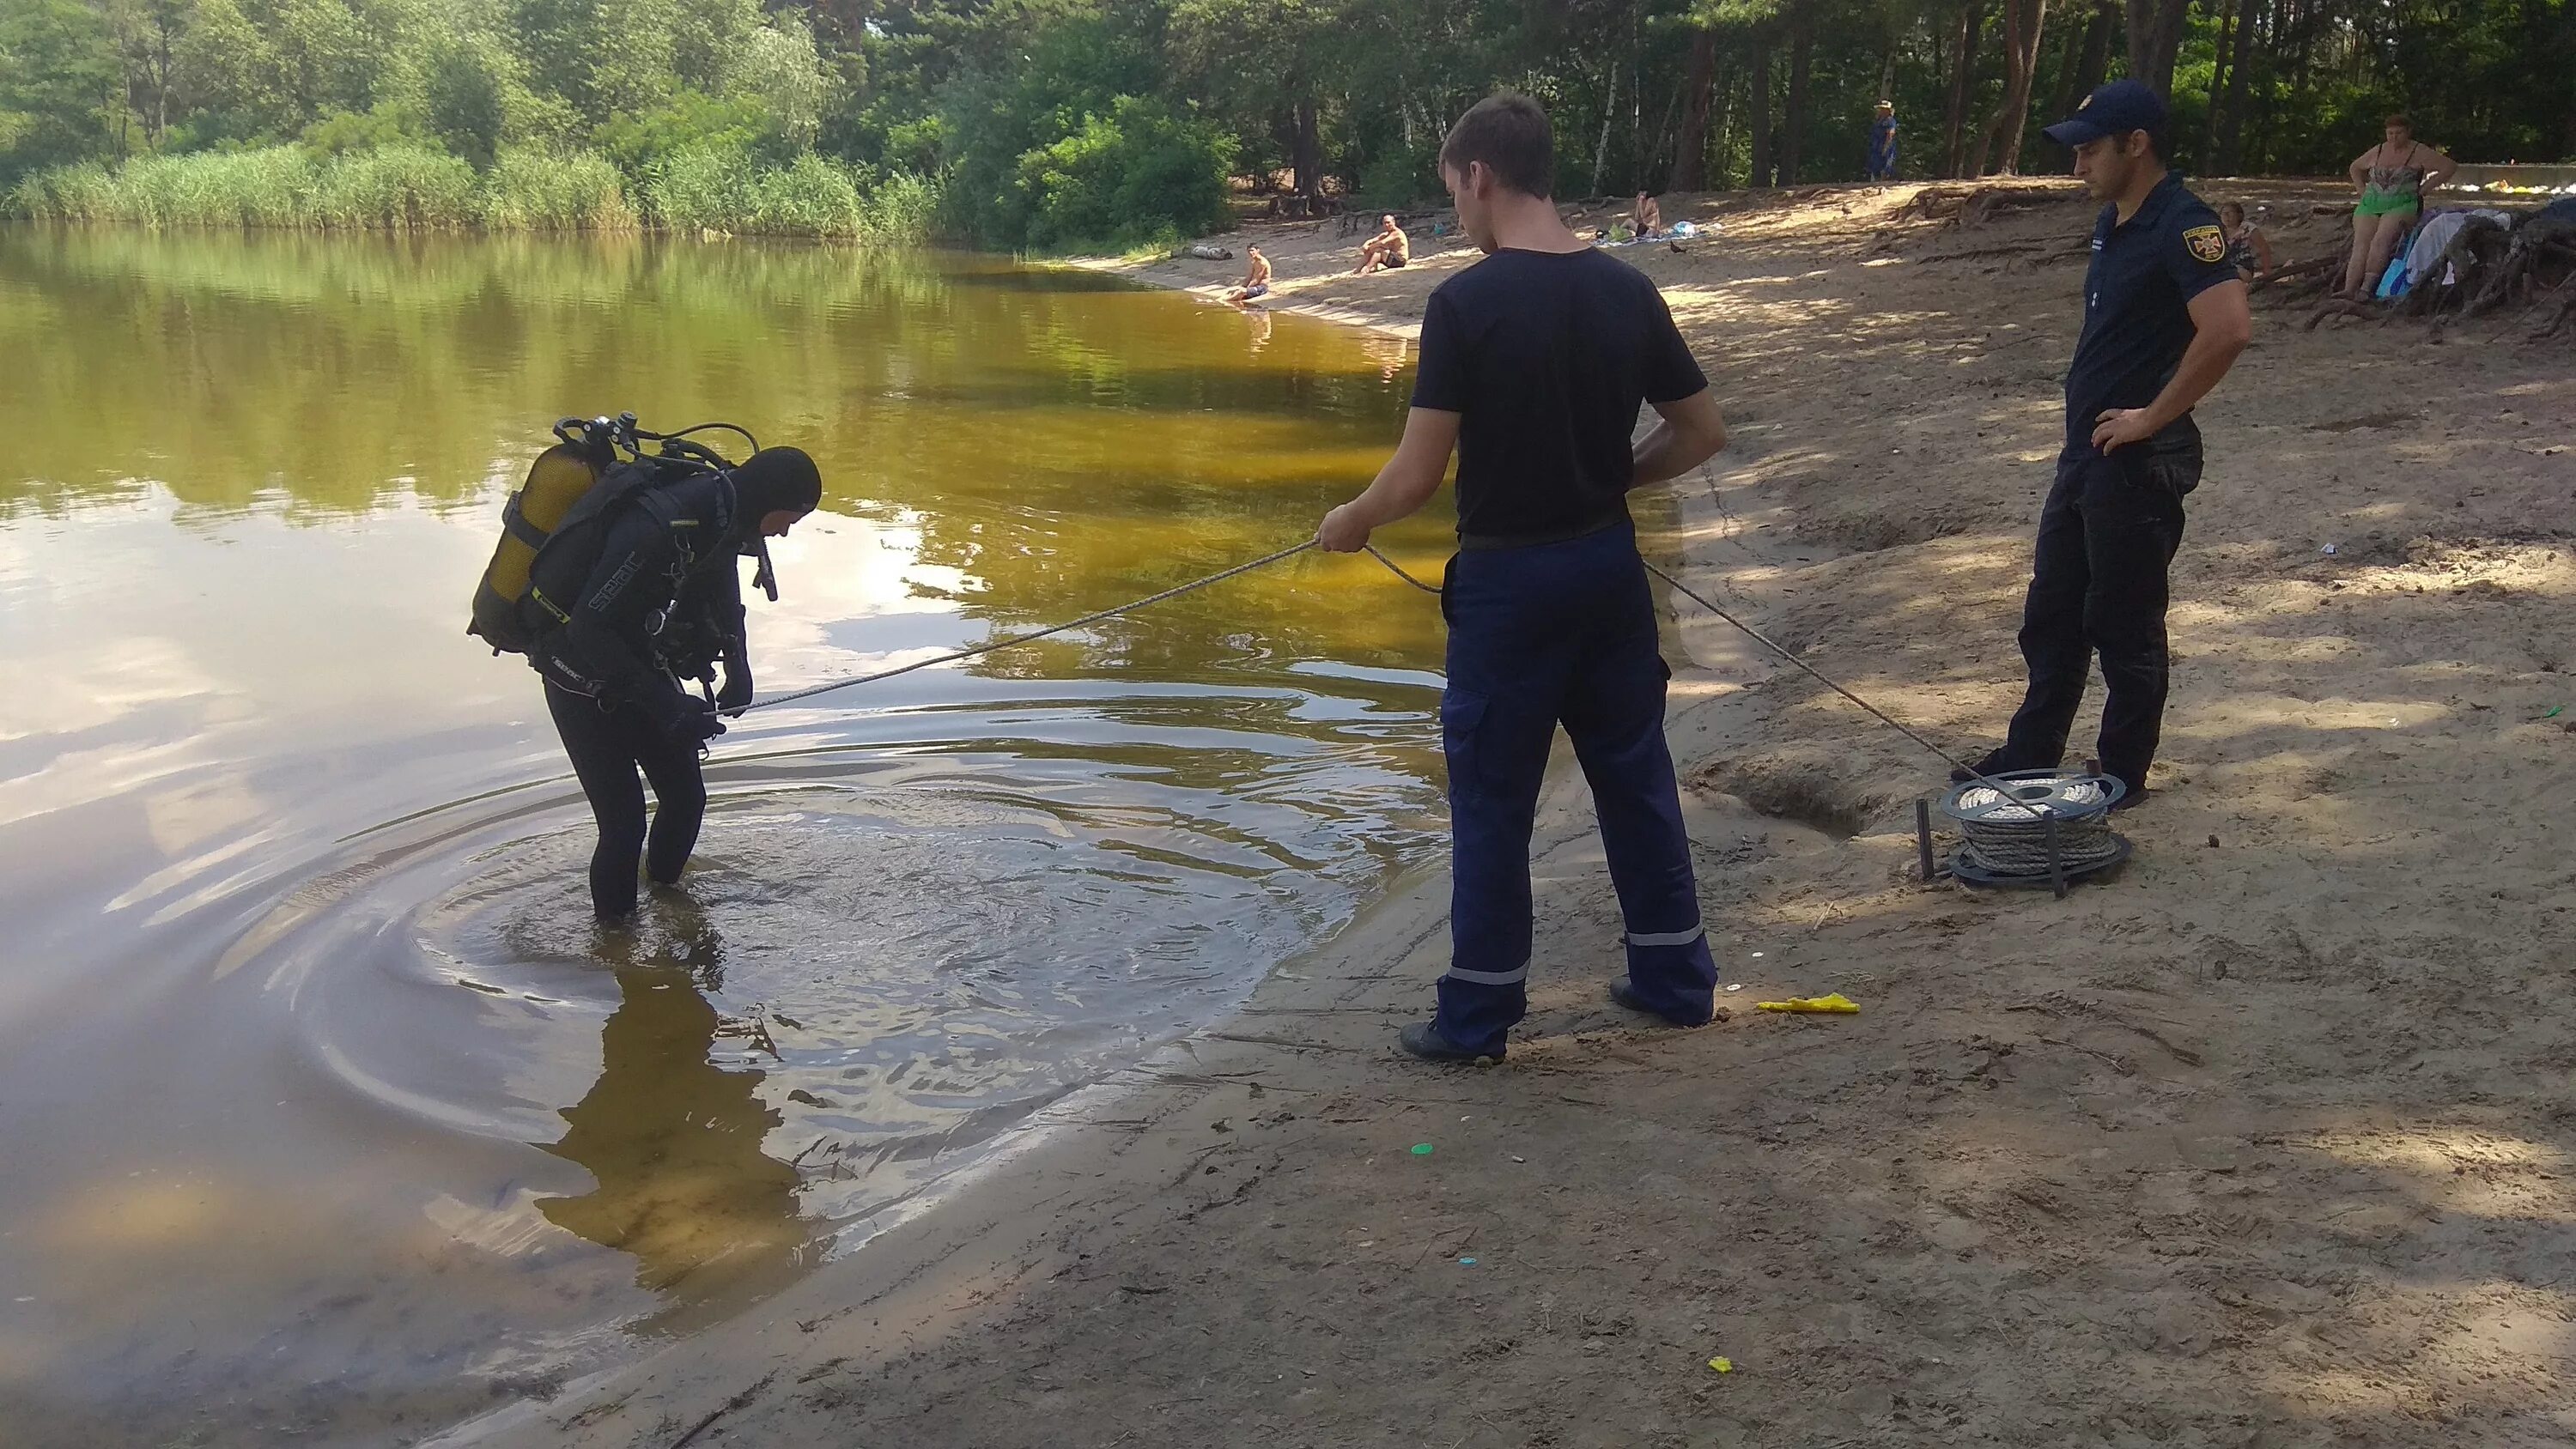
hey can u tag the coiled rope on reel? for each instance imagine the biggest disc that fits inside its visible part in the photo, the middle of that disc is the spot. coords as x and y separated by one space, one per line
2033 827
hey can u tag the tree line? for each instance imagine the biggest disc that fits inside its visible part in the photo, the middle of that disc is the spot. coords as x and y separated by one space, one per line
1062 123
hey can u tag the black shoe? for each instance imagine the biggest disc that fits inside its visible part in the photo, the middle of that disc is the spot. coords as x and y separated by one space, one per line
1423 1039
2137 796
1995 763
1626 995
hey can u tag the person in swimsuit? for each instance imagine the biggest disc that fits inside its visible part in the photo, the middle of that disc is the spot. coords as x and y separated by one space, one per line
1256 280
2393 177
2247 247
1389 248
1649 216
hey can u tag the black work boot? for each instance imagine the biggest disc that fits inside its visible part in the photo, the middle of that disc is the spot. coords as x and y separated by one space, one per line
1995 763
1626 995
1423 1039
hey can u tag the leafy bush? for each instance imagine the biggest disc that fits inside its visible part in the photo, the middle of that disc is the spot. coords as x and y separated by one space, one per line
643 144
1139 173
1399 178
343 131
465 95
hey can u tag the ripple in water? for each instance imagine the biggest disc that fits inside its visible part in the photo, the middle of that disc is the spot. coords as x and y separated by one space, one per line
876 967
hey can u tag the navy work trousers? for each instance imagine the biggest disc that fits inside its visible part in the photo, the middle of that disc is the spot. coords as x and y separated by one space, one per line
1560 633
2107 535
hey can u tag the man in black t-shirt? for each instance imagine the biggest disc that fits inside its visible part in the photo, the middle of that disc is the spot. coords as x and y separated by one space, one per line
2165 316
1534 363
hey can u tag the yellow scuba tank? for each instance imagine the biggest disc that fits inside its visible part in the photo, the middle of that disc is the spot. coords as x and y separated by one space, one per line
561 477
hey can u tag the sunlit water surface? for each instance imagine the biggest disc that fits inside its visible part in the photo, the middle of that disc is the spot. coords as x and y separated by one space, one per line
328 1115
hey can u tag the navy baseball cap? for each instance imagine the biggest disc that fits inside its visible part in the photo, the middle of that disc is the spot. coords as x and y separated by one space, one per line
2114 110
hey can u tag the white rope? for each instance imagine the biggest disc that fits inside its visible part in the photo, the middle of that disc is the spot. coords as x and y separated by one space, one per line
2019 846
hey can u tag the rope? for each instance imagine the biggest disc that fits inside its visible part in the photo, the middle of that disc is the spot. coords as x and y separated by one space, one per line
2003 839
2009 846
1031 637
1393 568
1882 716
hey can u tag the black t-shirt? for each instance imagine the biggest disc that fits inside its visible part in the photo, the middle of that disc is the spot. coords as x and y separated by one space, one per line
2137 302
1545 357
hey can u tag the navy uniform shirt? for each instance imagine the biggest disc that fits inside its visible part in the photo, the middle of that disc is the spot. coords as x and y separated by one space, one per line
2137 303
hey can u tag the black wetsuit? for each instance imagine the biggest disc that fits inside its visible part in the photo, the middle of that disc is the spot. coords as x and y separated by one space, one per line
663 567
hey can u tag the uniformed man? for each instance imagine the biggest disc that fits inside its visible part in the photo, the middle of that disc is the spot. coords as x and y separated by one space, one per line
2165 316
1534 363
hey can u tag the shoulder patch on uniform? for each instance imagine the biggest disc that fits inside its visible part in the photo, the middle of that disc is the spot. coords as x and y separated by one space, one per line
2206 243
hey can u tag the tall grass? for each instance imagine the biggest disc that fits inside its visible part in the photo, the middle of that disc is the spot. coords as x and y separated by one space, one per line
532 191
415 188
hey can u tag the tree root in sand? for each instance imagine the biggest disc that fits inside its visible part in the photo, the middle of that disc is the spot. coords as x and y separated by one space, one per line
2339 307
1966 206
2304 276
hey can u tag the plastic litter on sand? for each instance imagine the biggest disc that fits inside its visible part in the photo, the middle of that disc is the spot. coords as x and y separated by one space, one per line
1422 1149
1836 1004
1722 1365
1466 1262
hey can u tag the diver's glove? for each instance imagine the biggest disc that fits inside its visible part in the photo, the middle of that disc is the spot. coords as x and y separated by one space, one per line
735 697
696 721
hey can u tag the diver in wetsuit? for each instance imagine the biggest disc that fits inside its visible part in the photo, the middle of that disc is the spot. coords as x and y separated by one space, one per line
655 599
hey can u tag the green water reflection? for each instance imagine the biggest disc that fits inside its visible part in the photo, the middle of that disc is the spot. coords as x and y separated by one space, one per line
1055 435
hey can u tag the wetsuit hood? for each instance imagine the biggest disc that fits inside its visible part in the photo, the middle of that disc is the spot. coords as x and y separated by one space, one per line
775 480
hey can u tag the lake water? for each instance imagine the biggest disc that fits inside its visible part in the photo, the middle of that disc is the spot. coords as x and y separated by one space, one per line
328 1115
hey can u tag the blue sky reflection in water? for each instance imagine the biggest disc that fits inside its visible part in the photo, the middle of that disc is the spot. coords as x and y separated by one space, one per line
327 1107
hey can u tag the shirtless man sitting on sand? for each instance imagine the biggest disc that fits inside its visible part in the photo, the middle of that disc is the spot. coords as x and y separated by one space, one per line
1256 279
1389 248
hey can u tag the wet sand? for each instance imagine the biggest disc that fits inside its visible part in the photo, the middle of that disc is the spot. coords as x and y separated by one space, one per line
2262 1142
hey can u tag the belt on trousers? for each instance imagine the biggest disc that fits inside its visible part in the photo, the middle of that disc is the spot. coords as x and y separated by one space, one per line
1488 542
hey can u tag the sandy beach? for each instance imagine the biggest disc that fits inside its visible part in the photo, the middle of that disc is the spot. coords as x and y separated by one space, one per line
2266 1140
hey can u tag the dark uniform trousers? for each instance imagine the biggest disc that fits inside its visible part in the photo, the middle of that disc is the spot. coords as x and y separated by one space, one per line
1542 635
2107 536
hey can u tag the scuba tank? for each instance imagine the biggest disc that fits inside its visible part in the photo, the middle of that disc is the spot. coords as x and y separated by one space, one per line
592 466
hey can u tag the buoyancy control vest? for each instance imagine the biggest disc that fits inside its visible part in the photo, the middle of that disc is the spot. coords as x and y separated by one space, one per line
551 527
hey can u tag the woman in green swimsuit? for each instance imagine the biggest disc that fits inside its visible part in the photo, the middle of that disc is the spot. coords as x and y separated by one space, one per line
2393 177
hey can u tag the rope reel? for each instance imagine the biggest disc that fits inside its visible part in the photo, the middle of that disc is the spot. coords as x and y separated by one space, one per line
2033 827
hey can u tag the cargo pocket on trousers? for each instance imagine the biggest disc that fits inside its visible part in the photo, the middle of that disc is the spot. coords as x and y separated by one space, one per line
2177 474
1462 718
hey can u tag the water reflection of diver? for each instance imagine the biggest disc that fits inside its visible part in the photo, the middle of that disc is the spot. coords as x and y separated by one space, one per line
673 1141
632 588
